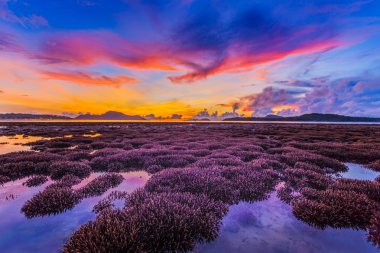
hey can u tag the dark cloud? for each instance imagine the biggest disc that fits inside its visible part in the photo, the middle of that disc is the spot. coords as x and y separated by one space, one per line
176 116
263 103
245 37
350 96
206 39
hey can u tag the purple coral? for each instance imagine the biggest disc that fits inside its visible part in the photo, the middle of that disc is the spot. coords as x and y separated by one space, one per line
151 222
60 169
35 181
52 200
374 230
335 208
100 185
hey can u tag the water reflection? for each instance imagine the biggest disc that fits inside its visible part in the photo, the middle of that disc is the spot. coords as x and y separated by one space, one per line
269 226
357 171
48 234
16 143
92 135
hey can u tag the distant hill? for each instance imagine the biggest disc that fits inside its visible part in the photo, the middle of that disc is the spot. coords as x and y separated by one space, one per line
111 115
27 116
271 116
203 119
312 117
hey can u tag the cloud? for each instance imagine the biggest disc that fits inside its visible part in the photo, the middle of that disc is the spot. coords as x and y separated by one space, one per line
263 103
90 48
176 116
349 96
204 42
34 21
87 3
30 21
245 39
91 79
150 117
202 115
7 43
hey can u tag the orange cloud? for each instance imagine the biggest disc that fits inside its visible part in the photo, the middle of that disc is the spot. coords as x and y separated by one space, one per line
244 63
83 78
88 48
280 108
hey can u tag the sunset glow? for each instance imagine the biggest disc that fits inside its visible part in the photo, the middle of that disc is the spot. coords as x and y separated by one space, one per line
181 57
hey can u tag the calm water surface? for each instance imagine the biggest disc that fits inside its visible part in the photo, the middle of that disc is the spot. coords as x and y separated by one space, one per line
357 171
48 234
267 226
270 227
15 143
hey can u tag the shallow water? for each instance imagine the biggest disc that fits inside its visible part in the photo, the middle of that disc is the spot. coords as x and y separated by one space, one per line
48 234
357 171
15 143
269 226
266 226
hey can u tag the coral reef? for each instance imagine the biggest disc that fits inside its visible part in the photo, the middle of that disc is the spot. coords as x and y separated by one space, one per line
335 208
197 171
52 200
35 181
100 185
63 168
166 222
374 230
107 204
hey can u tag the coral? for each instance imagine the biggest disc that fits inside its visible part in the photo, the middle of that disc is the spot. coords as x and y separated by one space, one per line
52 200
169 222
291 156
60 169
193 180
229 185
100 185
206 164
367 187
66 181
107 204
375 165
286 194
374 230
35 181
299 178
172 161
123 161
78 156
335 208
4 179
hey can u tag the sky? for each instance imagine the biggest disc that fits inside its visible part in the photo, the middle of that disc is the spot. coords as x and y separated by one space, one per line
190 57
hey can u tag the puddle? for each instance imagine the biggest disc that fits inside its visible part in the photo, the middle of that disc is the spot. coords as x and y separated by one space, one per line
15 143
269 226
92 135
48 234
357 171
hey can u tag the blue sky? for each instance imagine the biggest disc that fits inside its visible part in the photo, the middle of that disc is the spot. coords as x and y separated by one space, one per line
181 57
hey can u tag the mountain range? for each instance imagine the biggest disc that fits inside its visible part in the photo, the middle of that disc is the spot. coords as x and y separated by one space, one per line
113 115
110 115
27 116
311 117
